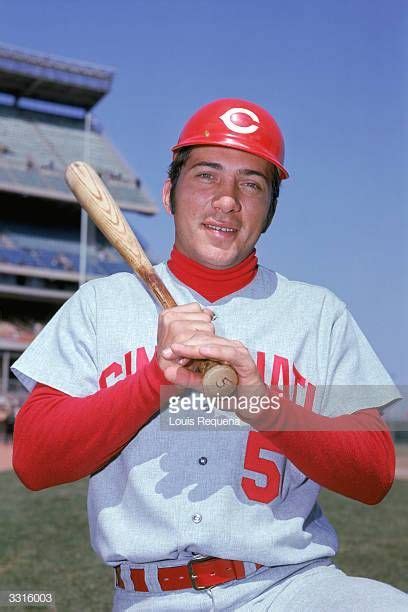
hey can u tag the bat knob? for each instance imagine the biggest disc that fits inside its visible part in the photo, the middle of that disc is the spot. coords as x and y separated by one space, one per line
220 380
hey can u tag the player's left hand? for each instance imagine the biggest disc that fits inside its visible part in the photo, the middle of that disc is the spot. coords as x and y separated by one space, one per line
232 352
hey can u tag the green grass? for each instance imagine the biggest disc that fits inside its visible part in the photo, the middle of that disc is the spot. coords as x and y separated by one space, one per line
44 542
373 539
44 545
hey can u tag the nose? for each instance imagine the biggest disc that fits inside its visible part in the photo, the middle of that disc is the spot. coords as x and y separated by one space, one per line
226 200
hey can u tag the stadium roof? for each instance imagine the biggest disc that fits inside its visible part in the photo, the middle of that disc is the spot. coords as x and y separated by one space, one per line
46 77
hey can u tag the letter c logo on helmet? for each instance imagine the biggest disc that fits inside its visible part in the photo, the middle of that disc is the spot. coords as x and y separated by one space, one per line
237 124
236 118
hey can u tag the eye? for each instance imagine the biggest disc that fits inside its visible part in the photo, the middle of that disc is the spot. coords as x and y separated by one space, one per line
251 186
205 175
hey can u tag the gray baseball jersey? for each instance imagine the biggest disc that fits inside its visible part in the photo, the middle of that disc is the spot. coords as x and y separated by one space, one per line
230 494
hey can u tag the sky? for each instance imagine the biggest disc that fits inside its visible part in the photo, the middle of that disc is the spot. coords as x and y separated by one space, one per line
333 74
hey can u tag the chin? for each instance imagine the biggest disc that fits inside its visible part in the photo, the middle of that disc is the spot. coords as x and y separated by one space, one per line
219 260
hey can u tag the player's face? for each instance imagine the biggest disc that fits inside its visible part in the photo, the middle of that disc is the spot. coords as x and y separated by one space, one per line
221 201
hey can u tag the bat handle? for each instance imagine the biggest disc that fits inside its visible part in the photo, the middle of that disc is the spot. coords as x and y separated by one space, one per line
159 290
218 379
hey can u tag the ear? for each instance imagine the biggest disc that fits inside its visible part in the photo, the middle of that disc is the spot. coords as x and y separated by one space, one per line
166 196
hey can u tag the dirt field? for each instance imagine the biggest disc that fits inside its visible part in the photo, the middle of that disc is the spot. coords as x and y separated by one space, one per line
5 456
402 462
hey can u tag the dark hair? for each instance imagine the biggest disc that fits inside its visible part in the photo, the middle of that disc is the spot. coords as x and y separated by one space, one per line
180 159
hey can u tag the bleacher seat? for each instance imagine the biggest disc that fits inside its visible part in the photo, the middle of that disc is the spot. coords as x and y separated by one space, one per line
4 175
49 143
56 256
28 178
114 267
12 256
55 182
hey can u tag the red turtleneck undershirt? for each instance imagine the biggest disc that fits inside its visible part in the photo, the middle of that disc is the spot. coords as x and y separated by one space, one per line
212 284
59 438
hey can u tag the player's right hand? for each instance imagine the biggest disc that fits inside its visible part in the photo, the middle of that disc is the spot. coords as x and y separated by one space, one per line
179 324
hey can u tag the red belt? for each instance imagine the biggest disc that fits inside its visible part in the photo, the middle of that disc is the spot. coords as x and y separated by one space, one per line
197 574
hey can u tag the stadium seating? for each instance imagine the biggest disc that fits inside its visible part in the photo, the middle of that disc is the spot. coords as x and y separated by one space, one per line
57 255
12 256
43 106
36 148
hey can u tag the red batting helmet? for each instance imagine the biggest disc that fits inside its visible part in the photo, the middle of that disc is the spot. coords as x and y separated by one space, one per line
237 124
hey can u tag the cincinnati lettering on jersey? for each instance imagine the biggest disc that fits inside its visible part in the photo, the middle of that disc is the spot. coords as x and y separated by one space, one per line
286 376
282 374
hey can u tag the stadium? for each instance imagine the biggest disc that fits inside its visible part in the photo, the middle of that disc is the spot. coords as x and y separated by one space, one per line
48 247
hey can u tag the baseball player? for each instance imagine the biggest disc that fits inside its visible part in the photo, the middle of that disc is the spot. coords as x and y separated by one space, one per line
213 518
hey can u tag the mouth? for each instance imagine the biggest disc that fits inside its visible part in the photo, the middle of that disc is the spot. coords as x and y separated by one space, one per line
220 229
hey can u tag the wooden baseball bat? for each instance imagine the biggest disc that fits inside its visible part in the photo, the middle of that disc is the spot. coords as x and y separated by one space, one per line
94 197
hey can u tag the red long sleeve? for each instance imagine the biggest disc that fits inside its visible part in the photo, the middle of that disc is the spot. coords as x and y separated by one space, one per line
352 454
59 438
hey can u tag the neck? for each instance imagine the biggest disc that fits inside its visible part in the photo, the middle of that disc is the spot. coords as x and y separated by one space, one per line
212 284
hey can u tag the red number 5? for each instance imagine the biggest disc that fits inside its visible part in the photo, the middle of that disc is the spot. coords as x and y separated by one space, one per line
255 463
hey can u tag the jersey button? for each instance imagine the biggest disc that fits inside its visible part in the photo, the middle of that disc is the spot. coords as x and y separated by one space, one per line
202 460
197 518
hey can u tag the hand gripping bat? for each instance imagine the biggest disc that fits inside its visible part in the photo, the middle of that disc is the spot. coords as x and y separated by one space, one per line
94 197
